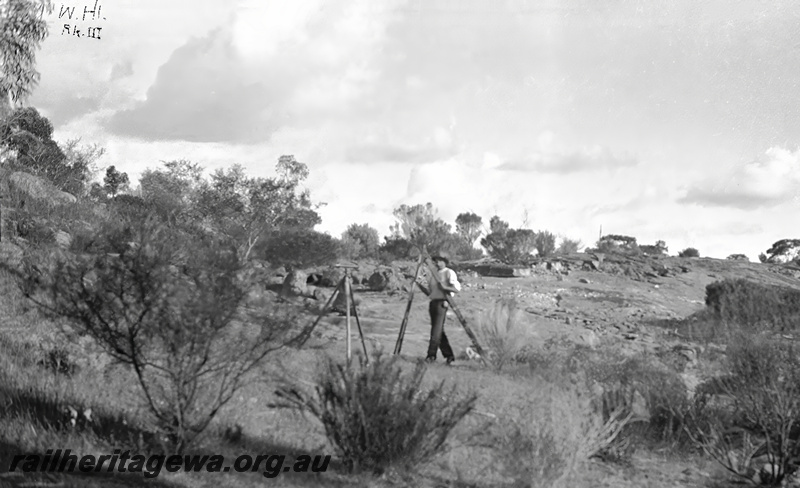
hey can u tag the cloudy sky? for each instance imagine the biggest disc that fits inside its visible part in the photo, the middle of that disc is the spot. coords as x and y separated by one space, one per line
676 120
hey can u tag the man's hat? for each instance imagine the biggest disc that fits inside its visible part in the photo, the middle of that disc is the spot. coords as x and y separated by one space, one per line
441 255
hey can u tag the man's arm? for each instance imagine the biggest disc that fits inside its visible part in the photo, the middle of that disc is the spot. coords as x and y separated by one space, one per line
424 288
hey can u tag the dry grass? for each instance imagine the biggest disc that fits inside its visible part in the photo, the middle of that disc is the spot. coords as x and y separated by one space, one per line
502 333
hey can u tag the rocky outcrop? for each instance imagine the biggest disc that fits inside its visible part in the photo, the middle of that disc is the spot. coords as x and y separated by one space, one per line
27 185
331 276
385 279
295 285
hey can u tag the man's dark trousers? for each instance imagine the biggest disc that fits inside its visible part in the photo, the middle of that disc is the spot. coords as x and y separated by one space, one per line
438 311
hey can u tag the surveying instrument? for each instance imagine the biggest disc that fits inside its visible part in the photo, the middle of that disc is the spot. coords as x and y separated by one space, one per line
344 286
424 258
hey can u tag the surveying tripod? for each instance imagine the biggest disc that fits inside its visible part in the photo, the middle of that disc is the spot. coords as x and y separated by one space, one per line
344 286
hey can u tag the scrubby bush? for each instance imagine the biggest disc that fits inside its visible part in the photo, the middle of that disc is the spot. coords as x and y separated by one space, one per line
658 249
758 426
545 243
689 252
420 226
783 250
468 227
360 241
569 246
501 333
738 257
510 246
556 434
298 249
170 305
742 304
394 249
378 417
614 243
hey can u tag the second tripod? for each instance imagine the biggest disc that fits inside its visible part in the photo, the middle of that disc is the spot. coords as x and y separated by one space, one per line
344 286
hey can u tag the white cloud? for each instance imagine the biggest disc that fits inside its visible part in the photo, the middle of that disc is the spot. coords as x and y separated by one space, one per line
769 181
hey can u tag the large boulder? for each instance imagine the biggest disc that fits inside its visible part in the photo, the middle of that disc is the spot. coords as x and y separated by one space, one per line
30 186
385 279
339 303
331 276
295 285
503 270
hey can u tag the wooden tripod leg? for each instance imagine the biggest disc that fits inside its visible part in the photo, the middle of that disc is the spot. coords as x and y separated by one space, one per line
461 318
358 324
304 336
399 344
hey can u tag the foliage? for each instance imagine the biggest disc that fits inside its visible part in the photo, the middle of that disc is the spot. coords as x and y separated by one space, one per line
545 243
738 257
569 246
297 249
782 247
29 135
615 243
560 430
501 333
170 190
378 417
420 226
22 30
115 181
394 248
658 249
168 304
739 303
230 203
761 418
511 246
689 252
762 257
498 225
468 227
360 241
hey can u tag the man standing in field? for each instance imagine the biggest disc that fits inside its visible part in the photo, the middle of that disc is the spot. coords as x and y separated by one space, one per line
448 285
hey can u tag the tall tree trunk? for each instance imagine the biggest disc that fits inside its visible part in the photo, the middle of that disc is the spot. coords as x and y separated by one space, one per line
5 112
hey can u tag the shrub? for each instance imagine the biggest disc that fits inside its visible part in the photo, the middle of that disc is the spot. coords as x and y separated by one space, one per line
658 249
510 246
394 249
299 249
360 241
739 303
379 418
468 227
171 307
738 257
763 412
614 243
501 333
689 252
545 243
554 436
569 246
420 226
